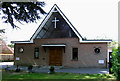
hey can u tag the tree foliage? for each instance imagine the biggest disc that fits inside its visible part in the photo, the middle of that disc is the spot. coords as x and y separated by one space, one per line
11 45
113 44
116 62
21 11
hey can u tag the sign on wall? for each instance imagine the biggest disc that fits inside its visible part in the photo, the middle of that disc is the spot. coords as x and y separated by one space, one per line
101 61
17 58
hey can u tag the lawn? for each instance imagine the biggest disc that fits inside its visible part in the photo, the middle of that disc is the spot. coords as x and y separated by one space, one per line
56 76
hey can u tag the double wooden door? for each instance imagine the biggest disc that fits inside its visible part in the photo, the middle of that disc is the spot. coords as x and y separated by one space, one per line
55 56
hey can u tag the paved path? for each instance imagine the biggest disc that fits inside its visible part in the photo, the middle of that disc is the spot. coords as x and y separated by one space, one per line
70 70
85 70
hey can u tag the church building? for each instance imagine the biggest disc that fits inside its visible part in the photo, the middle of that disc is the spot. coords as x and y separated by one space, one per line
56 42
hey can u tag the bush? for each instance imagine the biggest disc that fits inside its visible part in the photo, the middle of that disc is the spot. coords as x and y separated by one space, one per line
52 70
116 62
30 68
7 68
17 69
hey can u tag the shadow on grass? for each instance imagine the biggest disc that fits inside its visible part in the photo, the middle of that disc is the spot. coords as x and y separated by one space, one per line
21 76
57 80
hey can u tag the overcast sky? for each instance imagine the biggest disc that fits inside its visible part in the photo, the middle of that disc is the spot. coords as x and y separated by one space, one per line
92 18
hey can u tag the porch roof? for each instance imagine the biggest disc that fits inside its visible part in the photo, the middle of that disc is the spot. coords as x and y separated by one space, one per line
50 45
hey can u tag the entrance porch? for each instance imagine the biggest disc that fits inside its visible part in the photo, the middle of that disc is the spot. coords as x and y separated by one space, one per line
55 53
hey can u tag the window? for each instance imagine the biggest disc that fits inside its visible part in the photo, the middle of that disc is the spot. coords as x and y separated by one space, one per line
20 50
36 55
97 50
75 53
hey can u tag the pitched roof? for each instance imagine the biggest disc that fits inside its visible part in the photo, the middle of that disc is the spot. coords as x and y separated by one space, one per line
4 49
54 9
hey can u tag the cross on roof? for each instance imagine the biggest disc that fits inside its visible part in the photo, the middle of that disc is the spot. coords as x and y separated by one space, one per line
55 22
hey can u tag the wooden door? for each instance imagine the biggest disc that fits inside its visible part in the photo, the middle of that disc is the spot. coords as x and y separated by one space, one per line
55 56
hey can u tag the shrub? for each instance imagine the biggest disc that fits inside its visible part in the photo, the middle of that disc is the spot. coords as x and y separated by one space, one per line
52 69
30 68
116 62
7 68
17 69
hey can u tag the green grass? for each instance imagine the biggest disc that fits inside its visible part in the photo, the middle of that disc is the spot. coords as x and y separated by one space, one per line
65 76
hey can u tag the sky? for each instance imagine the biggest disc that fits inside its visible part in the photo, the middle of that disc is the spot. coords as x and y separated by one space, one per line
92 18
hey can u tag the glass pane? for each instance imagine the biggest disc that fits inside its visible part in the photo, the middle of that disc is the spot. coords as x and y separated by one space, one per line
75 53
36 52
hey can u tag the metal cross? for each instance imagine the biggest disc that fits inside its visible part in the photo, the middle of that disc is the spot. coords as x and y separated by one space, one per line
55 22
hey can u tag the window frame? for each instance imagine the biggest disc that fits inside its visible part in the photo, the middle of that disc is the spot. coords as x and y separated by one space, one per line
35 53
73 57
19 50
97 50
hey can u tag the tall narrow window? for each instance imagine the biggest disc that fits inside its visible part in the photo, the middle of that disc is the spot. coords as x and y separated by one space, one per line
75 53
36 55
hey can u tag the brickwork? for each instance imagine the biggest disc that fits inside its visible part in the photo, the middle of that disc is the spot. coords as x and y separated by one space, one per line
4 57
86 55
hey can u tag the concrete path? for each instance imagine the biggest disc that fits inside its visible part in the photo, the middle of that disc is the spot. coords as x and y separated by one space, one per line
69 70
85 70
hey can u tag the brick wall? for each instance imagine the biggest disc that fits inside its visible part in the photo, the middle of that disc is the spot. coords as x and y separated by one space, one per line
86 55
6 57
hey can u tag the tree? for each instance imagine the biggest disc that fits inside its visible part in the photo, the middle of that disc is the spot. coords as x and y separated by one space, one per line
116 62
113 44
2 34
21 12
11 45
